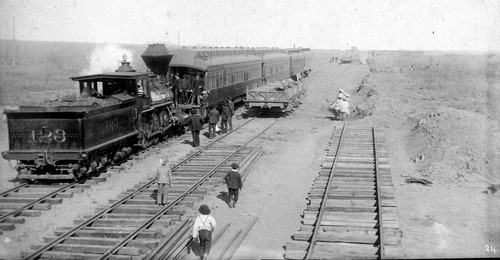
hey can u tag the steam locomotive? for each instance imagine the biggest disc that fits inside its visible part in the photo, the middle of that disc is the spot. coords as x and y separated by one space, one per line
120 110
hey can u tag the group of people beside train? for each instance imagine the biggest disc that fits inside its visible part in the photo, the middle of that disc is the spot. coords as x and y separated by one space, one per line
204 224
222 113
188 89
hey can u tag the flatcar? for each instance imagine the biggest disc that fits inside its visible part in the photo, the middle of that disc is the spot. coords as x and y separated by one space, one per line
118 111
277 97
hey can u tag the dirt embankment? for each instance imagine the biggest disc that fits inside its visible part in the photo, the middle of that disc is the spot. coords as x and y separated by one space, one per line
441 114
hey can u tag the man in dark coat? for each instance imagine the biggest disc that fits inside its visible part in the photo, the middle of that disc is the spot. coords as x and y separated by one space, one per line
213 119
195 123
183 89
231 109
234 184
197 85
226 115
175 88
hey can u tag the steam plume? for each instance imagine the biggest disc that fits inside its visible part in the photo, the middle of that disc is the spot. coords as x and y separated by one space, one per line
106 58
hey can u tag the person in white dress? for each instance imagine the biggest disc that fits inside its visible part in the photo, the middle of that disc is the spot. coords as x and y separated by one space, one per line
341 105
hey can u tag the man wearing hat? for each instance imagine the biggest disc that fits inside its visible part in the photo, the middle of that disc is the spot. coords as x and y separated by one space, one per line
213 119
341 105
231 110
203 101
197 85
234 184
203 227
164 179
175 88
195 123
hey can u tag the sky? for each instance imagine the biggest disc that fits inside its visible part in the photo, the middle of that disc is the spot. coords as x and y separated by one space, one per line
457 25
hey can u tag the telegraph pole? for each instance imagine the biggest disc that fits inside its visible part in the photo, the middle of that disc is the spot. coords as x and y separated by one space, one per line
178 37
15 43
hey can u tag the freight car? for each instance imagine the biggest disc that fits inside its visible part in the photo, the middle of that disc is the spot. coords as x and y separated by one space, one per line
120 110
280 97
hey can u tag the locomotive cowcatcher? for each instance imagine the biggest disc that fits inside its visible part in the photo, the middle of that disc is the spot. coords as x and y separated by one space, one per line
116 111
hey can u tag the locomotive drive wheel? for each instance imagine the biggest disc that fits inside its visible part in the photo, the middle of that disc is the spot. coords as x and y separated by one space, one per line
164 118
146 132
155 122
94 162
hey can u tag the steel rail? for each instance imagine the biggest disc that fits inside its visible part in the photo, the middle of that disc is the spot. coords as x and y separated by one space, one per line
322 208
241 238
127 239
183 252
89 221
178 232
14 189
31 204
379 200
208 145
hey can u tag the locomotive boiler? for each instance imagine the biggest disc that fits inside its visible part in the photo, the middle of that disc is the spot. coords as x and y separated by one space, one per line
116 111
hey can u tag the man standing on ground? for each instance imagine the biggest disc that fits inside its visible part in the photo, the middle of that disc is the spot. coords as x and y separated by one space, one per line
226 115
231 109
234 184
203 227
164 180
213 119
195 123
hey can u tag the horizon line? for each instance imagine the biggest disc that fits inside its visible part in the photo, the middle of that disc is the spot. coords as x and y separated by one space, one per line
198 45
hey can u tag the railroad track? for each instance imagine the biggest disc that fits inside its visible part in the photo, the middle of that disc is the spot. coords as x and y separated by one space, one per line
351 211
31 199
132 226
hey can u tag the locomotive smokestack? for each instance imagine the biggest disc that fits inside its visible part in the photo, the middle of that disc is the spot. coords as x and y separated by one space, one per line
125 67
157 58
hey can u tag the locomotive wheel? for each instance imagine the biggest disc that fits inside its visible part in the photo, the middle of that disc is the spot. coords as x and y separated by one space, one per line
167 133
146 132
164 118
155 122
146 127
94 162
144 142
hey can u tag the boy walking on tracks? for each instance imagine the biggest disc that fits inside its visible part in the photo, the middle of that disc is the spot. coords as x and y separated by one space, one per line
203 227
234 184
164 180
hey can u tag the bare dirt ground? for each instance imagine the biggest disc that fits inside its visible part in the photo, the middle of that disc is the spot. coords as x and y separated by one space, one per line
440 114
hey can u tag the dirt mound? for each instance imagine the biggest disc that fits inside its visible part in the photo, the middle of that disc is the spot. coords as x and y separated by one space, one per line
437 145
364 99
443 101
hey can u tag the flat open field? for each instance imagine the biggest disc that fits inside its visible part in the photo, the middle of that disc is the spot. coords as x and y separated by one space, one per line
440 113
